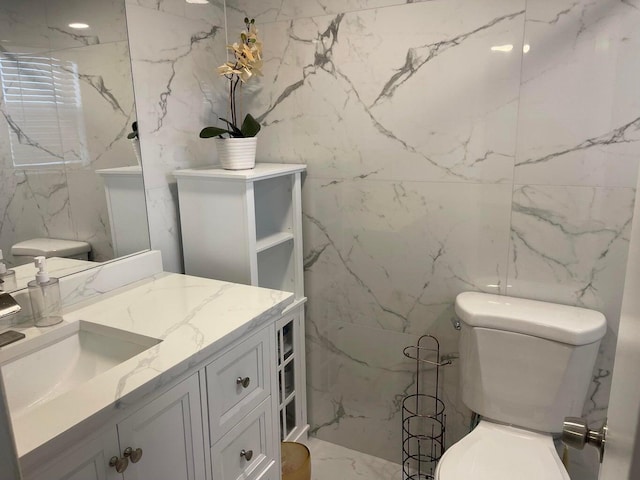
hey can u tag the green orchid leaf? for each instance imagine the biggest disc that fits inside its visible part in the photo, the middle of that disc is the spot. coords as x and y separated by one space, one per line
236 131
209 132
250 126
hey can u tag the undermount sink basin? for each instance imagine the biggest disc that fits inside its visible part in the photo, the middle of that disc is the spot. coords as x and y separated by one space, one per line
47 366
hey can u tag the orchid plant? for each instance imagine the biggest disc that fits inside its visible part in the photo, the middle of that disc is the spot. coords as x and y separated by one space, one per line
246 64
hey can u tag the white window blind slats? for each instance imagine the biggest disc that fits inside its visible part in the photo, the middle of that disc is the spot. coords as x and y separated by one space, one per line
42 99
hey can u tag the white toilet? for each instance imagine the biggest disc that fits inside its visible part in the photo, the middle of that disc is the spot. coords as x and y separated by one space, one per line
50 247
525 365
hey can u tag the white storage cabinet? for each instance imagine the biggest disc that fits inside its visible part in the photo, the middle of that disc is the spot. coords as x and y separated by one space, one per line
245 226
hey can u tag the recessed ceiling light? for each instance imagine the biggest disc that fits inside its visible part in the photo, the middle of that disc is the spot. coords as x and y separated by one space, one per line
502 48
79 26
198 1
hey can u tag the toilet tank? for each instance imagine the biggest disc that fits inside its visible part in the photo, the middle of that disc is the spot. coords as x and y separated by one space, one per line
525 362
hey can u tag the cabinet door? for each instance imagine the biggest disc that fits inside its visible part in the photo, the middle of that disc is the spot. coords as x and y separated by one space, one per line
292 402
169 432
88 461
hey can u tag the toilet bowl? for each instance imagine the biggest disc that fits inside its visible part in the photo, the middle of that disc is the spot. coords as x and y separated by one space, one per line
50 247
525 365
501 452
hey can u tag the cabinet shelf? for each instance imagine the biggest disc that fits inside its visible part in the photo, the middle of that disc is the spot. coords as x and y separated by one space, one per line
273 241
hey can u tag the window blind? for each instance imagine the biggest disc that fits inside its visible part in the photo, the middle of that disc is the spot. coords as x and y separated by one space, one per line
43 109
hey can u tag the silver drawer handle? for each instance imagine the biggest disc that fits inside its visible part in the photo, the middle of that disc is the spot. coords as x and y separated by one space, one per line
247 454
120 464
134 455
243 381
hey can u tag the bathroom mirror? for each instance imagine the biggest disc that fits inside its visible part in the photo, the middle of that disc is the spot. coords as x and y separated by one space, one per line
67 169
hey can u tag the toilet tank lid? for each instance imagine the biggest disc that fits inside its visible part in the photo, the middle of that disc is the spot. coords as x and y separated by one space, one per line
562 323
50 247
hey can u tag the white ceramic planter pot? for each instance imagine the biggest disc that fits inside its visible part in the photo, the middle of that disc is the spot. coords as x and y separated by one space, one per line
236 153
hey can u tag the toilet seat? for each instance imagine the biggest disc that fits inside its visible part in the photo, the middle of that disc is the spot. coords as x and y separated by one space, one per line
500 452
50 247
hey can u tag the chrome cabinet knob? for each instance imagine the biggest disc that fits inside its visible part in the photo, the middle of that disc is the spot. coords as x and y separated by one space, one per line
243 381
576 434
120 464
134 455
247 454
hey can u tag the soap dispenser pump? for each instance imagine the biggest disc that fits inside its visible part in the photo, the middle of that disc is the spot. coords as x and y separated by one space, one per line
7 277
44 293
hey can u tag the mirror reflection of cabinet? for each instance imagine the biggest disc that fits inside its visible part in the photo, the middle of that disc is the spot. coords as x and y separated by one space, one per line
127 209
245 226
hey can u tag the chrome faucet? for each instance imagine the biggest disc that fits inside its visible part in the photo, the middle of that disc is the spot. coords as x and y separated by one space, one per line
8 305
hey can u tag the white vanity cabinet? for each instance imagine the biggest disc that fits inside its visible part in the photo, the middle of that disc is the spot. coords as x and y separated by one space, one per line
168 432
219 423
245 226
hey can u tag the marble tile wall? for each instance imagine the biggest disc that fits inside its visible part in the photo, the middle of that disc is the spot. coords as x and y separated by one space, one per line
451 145
66 199
178 92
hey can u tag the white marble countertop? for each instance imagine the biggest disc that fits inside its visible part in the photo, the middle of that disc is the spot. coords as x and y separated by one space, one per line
194 318
56 266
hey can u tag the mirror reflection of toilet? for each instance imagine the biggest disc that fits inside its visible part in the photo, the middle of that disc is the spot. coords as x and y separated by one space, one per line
50 247
525 365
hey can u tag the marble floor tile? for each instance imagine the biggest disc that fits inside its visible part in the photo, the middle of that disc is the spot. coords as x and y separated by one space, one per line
330 461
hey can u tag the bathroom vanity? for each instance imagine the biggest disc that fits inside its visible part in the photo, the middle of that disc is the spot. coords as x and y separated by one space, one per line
173 377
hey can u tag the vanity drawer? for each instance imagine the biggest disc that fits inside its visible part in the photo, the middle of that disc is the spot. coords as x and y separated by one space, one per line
271 473
248 448
238 382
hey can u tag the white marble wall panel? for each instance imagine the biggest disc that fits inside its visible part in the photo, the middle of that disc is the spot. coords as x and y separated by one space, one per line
579 118
452 130
88 209
177 88
384 257
178 92
416 120
278 10
42 198
569 245
393 240
164 225
107 108
211 11
43 25
574 238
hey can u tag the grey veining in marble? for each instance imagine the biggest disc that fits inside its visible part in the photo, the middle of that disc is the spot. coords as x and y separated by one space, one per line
451 146
49 185
178 92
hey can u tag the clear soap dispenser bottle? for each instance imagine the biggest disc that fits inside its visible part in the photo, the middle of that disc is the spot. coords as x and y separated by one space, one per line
44 293
7 277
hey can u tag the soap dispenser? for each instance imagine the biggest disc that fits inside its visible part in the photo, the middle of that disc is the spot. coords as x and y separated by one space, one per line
7 277
44 293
